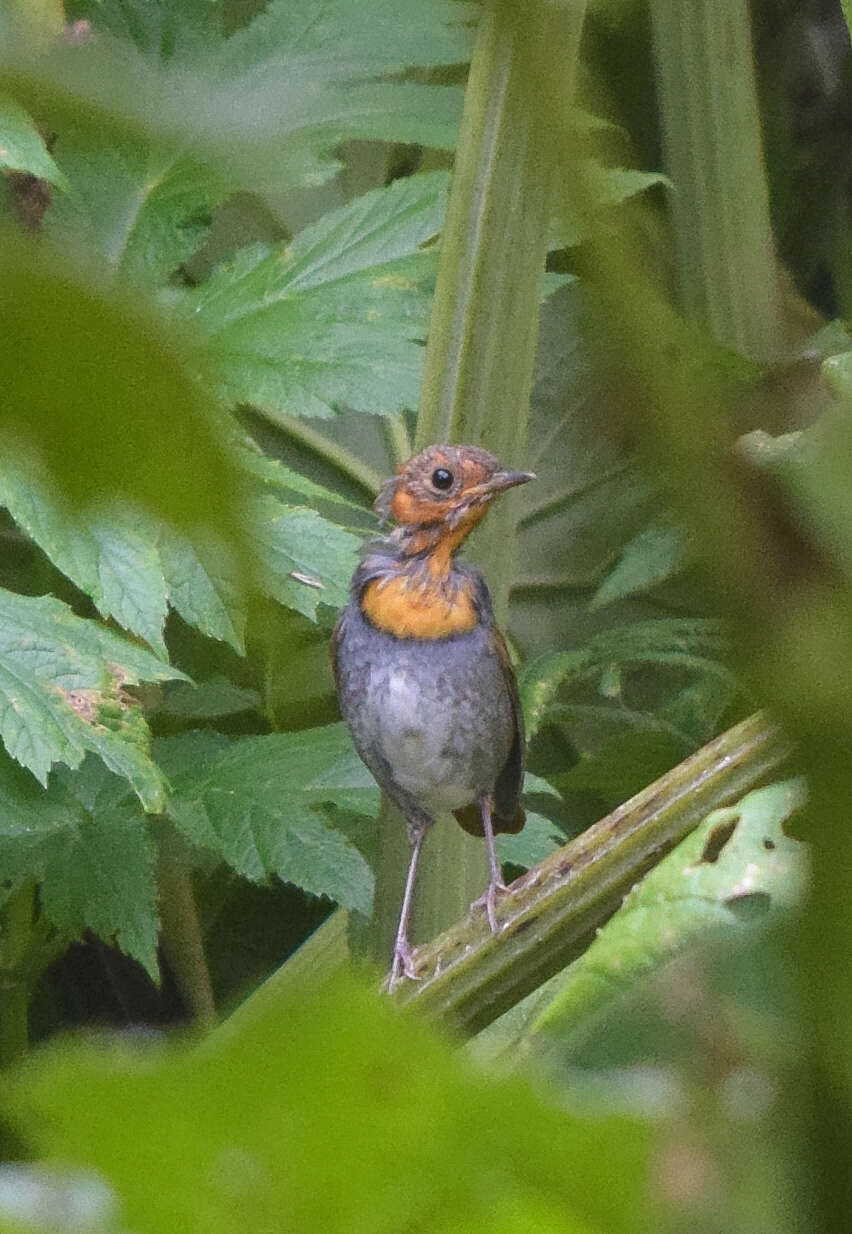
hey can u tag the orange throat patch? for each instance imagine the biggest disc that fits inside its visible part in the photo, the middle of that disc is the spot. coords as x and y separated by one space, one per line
410 607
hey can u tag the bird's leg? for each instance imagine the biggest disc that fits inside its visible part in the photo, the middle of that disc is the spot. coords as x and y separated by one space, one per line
489 900
402 952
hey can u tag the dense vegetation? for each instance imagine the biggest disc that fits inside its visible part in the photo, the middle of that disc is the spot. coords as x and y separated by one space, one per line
239 284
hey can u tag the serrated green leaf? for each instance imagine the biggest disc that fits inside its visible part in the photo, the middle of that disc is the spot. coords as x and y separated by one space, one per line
30 821
334 320
253 802
130 566
61 693
656 554
92 856
160 28
203 585
100 876
268 107
303 559
737 867
295 488
22 147
693 644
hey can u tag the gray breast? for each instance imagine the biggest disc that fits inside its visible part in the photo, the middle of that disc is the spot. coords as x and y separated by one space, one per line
432 719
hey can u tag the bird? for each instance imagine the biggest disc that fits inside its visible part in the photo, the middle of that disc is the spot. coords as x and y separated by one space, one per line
423 675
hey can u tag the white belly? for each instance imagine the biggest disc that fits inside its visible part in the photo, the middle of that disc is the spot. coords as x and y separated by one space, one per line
415 737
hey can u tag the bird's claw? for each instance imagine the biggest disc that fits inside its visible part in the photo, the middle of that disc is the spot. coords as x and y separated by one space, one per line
488 901
402 965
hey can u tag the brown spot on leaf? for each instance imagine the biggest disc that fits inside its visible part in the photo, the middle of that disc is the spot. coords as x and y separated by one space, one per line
717 839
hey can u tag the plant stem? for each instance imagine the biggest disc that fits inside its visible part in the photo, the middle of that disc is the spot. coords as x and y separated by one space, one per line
182 939
482 342
329 451
469 976
396 435
14 983
726 264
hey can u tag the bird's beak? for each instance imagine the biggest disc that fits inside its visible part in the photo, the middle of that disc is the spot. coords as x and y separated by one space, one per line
507 479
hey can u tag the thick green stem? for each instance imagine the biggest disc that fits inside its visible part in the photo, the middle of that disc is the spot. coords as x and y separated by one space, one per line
469 976
482 342
17 925
726 264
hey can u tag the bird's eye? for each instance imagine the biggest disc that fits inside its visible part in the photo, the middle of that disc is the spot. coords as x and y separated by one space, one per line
442 479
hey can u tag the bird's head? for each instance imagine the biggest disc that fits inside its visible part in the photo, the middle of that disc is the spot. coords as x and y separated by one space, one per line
446 488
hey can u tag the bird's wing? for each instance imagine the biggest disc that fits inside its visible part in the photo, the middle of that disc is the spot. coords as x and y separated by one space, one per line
508 814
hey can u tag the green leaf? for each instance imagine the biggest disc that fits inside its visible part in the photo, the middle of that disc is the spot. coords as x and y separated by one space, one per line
294 488
129 566
341 39
253 801
604 189
268 107
203 585
62 682
653 556
538 839
141 210
268 1117
335 319
93 858
304 560
100 876
22 147
160 28
737 867
693 644
204 700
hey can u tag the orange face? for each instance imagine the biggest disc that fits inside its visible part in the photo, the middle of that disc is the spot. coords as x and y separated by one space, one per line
446 484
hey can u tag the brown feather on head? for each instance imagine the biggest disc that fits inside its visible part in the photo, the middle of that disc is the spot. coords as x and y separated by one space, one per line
442 484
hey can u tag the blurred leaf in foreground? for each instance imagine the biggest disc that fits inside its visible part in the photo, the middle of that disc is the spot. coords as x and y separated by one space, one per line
335 1110
101 393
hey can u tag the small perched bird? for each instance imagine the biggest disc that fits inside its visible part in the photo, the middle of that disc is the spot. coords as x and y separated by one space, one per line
422 672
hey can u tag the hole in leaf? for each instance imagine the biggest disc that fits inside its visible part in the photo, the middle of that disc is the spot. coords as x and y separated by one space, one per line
717 840
768 844
750 906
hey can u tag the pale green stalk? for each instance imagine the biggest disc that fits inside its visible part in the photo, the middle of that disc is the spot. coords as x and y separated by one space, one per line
726 267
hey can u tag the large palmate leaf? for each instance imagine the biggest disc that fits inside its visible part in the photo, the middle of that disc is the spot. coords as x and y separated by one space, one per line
89 851
333 320
268 107
254 802
62 682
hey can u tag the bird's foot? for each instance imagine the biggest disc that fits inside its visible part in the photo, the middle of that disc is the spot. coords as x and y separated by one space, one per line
402 965
488 901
